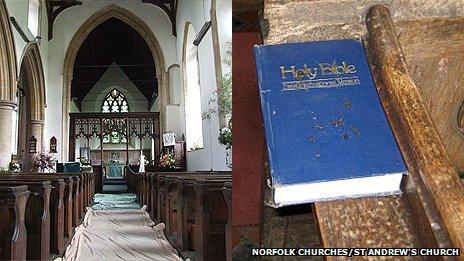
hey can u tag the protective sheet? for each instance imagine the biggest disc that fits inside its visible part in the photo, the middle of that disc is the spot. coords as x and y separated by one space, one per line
120 218
119 235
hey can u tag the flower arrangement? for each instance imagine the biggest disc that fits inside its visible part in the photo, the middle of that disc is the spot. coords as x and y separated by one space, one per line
4 170
167 161
14 166
225 137
44 161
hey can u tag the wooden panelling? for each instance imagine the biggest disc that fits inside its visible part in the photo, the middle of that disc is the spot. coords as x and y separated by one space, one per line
434 52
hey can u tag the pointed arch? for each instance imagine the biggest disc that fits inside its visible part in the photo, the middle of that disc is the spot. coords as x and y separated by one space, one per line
115 101
8 69
33 67
142 28
32 105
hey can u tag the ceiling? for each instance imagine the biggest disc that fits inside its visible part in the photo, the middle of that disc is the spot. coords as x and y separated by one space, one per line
114 41
55 7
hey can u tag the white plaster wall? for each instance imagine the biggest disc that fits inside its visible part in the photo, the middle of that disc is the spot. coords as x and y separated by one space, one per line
114 78
173 110
224 20
67 24
174 120
212 156
175 84
19 10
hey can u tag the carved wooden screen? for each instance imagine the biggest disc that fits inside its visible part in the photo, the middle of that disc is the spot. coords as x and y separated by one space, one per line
130 126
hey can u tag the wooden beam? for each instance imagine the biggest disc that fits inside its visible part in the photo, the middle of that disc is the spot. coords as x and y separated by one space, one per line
54 8
430 211
170 8
434 178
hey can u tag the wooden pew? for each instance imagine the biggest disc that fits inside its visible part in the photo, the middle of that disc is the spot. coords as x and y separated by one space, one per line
172 201
180 203
13 233
68 199
76 203
98 178
194 207
81 186
210 219
37 217
227 193
57 206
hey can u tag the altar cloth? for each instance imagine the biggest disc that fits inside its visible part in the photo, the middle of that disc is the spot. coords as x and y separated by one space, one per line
119 235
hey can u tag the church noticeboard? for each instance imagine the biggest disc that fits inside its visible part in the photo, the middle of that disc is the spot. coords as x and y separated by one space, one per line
32 145
53 145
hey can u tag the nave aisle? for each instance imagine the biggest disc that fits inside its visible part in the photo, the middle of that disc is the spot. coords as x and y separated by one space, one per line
116 228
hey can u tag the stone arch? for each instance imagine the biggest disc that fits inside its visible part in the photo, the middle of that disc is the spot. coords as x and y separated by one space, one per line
142 28
32 63
32 83
217 52
8 73
8 70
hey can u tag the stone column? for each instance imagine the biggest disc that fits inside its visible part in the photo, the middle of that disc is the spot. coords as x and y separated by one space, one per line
163 91
6 130
34 128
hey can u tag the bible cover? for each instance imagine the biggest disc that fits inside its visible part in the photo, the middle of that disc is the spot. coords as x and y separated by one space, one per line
326 132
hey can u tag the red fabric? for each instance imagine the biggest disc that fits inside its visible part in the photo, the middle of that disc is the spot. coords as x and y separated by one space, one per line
248 134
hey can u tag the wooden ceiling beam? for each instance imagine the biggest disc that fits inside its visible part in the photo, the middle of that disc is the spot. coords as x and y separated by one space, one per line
170 8
54 8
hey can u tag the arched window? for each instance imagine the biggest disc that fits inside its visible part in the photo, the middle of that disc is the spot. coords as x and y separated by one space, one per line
115 101
193 120
33 17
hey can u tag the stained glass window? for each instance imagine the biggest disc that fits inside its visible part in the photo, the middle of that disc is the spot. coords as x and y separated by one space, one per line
115 101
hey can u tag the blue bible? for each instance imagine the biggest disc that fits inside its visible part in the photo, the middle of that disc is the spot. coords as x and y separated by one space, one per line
327 134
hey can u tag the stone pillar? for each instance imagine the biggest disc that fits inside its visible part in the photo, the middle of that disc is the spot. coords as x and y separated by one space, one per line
163 91
6 130
34 128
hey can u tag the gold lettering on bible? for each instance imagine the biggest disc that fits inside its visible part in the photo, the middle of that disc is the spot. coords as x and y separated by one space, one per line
324 75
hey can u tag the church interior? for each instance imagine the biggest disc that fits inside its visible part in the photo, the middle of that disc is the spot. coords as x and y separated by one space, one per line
115 129
414 49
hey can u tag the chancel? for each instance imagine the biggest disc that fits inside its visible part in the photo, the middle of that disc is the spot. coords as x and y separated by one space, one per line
112 122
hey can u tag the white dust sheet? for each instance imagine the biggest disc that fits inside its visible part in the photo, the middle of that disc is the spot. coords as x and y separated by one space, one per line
119 235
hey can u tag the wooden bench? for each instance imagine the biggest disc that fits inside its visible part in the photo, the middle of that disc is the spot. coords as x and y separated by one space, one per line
13 234
227 193
193 207
37 217
210 219
69 213
56 209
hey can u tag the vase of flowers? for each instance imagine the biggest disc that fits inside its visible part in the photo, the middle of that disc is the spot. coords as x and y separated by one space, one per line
225 138
14 166
44 161
167 161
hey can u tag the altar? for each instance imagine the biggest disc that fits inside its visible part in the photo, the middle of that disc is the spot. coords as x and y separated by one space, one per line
114 140
114 169
114 159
